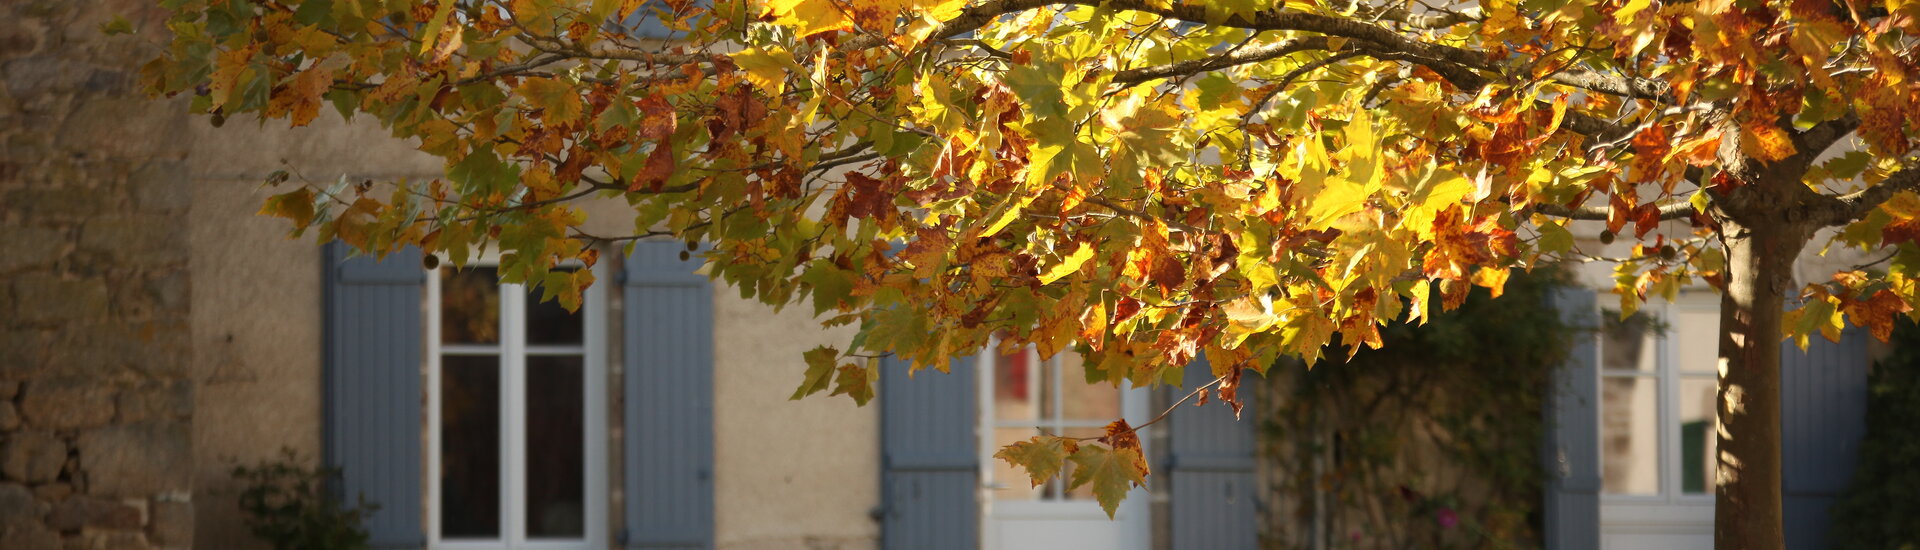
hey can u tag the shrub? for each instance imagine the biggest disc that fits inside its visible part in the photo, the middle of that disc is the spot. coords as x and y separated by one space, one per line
288 504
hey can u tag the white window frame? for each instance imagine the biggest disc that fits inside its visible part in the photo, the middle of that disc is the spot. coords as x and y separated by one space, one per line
1132 521
1668 511
513 352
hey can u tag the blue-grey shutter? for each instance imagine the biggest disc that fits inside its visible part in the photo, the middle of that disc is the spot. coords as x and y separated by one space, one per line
668 347
1209 467
1571 453
1823 412
373 387
930 465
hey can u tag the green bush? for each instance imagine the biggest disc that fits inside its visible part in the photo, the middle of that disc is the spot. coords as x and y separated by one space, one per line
289 505
1882 508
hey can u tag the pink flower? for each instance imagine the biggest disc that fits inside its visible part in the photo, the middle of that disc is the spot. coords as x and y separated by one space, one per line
1447 518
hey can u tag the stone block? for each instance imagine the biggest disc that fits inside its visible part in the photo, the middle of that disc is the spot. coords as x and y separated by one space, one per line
33 456
29 536
9 417
45 298
17 505
171 525
137 459
23 353
122 127
96 350
8 388
30 246
156 401
53 492
66 403
56 203
99 539
140 239
82 511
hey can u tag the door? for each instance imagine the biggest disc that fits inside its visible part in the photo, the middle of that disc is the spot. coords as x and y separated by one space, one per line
1021 396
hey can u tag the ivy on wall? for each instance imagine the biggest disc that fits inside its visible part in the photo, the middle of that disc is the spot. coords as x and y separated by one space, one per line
1430 442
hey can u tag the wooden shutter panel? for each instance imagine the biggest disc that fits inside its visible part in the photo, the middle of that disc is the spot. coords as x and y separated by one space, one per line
1209 468
1572 447
373 392
1823 417
930 465
668 348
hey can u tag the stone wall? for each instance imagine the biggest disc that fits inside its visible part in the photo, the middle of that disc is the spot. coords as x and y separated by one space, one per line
95 399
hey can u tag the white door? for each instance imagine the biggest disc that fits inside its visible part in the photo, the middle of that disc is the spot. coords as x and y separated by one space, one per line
1657 381
1022 396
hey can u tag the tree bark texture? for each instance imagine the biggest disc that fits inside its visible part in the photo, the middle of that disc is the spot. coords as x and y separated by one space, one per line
1747 484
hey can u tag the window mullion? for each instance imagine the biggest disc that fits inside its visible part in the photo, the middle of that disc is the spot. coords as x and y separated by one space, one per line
513 360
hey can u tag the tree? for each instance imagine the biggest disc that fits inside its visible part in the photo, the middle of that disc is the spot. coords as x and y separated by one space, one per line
1139 181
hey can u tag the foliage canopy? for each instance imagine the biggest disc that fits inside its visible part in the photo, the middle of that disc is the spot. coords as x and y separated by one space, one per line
1143 181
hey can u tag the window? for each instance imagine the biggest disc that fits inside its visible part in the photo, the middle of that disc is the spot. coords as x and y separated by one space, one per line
1656 399
1030 396
516 416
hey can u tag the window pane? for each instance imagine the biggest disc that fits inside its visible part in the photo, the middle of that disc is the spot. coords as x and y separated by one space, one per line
469 446
1629 435
556 457
1627 344
1083 401
1697 435
1016 383
1012 482
1697 332
549 324
470 306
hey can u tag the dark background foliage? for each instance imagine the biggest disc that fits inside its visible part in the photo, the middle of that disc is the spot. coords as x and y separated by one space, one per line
1881 510
1431 442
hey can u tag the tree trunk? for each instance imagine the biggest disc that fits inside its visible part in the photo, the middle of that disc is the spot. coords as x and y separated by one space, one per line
1747 503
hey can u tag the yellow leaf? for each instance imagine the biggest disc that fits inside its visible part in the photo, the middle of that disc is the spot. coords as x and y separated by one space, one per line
808 17
431 36
1069 265
1339 198
1766 142
766 68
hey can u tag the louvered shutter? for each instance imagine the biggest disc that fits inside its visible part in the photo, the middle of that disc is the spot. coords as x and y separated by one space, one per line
1823 415
373 332
1572 447
1209 467
668 346
930 466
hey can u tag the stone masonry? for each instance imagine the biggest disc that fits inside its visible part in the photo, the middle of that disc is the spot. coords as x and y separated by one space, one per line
96 403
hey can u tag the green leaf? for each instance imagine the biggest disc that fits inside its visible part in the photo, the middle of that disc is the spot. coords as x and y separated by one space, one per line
830 283
1042 456
1554 238
820 363
1112 472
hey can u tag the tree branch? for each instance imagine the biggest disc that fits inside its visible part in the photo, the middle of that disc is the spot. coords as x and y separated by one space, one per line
1669 211
1853 206
1243 56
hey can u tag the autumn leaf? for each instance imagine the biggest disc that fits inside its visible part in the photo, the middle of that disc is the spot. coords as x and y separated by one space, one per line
1069 264
1111 473
766 68
558 102
820 364
1041 456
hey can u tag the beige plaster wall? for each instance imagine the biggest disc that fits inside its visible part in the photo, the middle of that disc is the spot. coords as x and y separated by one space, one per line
256 322
788 474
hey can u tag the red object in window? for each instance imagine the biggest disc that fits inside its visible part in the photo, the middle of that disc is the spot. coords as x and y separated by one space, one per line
1014 376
